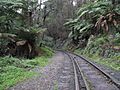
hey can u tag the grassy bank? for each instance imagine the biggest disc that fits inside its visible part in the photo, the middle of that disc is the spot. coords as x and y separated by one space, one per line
112 62
14 70
103 49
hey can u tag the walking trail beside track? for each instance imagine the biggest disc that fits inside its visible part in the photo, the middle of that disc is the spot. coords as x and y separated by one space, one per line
58 75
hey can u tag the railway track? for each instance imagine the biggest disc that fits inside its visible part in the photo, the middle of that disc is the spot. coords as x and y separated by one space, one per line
90 77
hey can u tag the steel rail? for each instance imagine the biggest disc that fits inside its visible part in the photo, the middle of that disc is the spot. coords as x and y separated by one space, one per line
75 66
84 79
112 79
76 77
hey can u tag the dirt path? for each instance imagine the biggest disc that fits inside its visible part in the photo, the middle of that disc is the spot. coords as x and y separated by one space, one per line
58 75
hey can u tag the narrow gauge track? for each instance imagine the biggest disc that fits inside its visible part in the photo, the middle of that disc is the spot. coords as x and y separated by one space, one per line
80 81
90 77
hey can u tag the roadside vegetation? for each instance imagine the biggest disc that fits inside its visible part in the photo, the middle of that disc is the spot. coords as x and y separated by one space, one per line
22 47
14 70
101 50
95 32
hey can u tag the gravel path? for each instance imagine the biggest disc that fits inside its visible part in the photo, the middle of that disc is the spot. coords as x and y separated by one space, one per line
58 75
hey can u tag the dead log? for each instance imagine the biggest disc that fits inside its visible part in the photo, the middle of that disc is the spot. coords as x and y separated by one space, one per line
11 37
18 47
22 48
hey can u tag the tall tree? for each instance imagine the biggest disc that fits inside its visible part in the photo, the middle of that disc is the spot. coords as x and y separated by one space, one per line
56 13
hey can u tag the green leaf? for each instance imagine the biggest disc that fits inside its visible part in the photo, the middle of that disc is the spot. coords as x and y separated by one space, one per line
83 13
70 34
84 28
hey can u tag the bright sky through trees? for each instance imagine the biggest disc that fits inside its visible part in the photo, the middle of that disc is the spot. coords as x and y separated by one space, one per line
42 1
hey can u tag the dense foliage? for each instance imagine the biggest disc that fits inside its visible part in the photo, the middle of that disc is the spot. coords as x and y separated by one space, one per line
19 29
95 32
94 18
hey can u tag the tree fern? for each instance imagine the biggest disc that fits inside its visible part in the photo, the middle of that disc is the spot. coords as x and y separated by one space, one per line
94 18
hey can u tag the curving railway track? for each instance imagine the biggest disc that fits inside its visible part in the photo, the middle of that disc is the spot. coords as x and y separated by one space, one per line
90 77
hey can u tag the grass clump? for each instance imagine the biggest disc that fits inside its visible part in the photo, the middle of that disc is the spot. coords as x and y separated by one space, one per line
38 61
43 60
12 75
12 70
47 51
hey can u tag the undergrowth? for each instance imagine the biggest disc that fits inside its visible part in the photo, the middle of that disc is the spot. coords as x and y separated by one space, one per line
14 70
100 49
